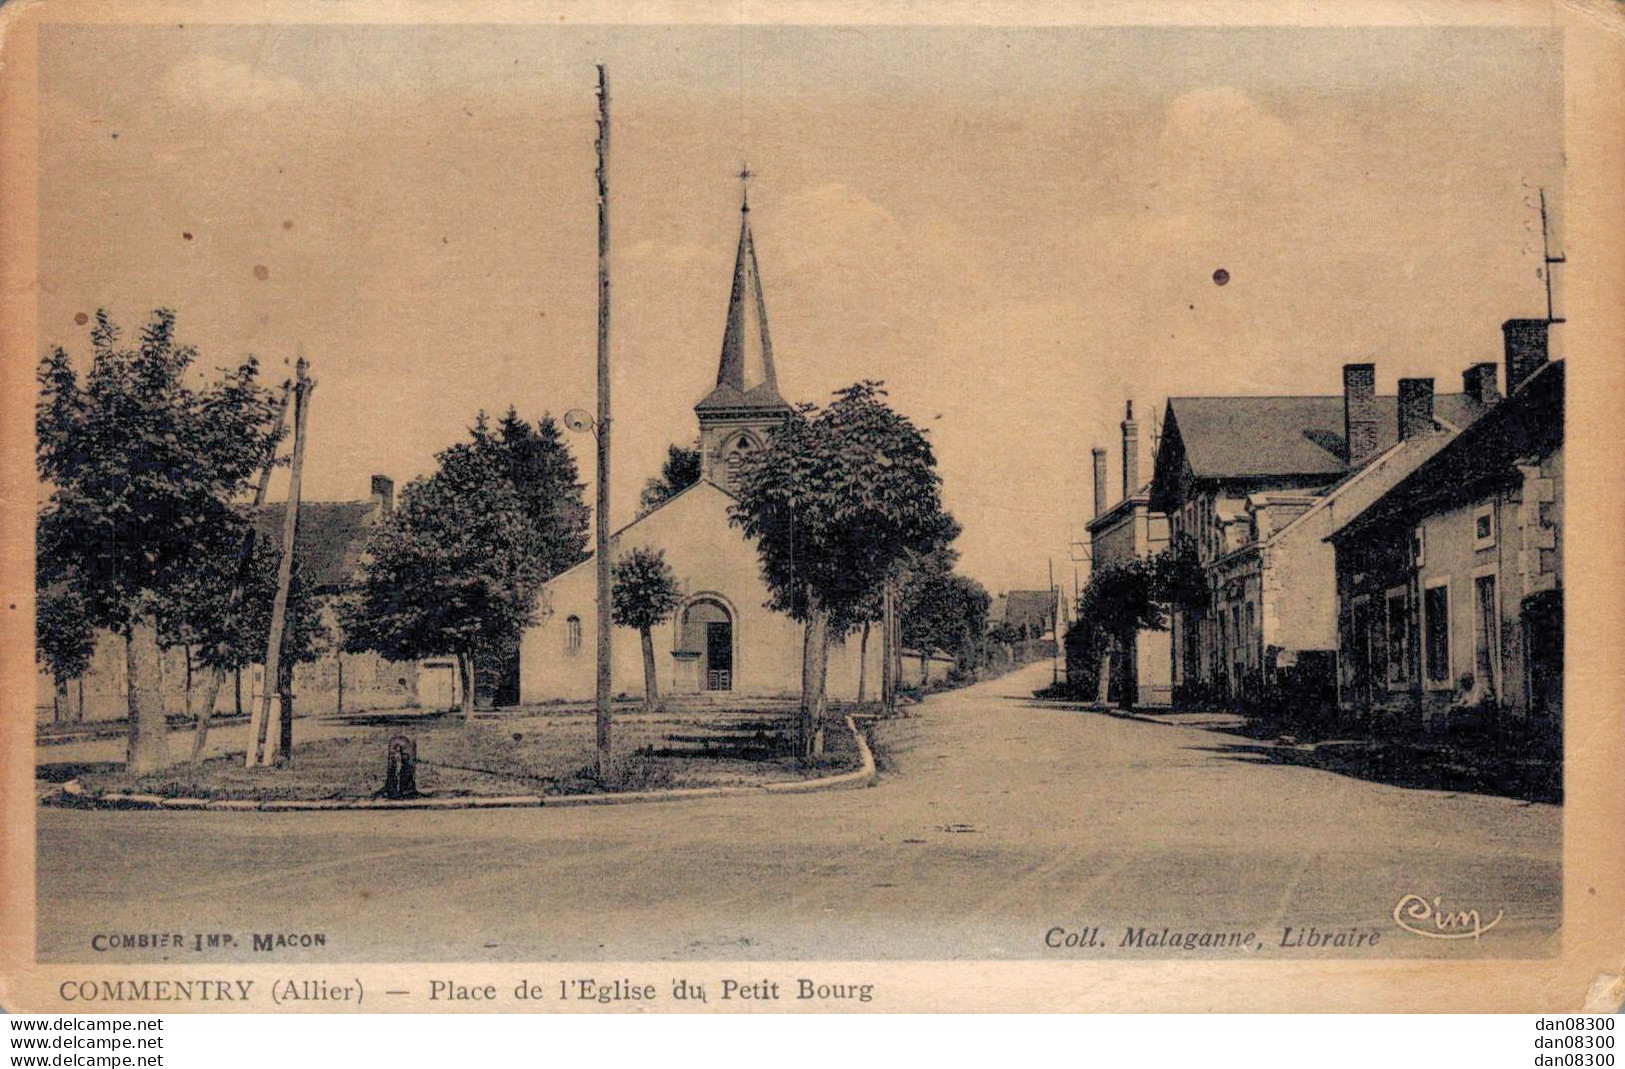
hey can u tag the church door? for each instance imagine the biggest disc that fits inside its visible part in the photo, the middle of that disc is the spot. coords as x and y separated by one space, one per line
719 655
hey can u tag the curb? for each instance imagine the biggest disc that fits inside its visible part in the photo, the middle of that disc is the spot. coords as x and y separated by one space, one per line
863 776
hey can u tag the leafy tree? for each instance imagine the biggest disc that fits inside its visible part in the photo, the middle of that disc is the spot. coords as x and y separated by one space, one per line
144 463
1181 581
681 470
1119 601
543 471
64 639
946 611
1125 598
644 596
1006 634
457 567
834 501
198 615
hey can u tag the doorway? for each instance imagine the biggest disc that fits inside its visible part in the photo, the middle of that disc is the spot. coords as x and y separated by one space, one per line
708 637
719 655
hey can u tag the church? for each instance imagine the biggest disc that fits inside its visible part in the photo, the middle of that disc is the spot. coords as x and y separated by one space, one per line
722 640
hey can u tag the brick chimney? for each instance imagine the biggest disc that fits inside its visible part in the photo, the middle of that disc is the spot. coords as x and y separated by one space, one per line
1100 479
1415 408
1525 349
1479 383
1360 413
1131 452
383 494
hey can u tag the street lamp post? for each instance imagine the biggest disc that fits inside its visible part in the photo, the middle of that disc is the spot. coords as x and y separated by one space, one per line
605 764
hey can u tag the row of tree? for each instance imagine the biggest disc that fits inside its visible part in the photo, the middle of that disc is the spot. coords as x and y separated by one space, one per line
149 532
152 469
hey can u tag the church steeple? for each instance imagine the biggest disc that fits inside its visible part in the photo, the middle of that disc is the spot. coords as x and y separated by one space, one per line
744 406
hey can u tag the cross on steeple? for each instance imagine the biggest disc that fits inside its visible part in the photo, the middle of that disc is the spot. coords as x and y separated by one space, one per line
744 408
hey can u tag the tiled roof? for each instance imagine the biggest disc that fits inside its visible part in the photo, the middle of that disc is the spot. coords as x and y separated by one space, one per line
332 536
1251 437
1029 606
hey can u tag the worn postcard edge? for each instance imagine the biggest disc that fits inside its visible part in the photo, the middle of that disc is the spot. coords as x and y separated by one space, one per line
1586 973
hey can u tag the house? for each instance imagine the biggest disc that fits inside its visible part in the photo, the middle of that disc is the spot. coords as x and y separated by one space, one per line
1028 613
332 537
1248 481
1131 530
722 638
1450 585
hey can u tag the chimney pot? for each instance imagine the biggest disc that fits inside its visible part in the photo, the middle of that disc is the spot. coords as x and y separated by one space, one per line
1526 348
1415 408
1100 479
1131 453
1479 383
383 493
1360 413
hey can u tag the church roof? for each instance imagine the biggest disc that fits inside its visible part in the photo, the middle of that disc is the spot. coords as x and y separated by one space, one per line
745 376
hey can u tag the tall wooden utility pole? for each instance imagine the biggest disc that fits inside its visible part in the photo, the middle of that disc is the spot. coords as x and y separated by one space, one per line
1546 255
605 681
1055 627
263 743
245 564
888 686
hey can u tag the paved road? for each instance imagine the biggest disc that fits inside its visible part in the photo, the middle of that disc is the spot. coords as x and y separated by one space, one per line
995 821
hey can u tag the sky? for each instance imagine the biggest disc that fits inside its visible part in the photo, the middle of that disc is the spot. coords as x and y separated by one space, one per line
1017 230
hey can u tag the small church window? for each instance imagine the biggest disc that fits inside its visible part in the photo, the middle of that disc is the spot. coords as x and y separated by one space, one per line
572 634
732 476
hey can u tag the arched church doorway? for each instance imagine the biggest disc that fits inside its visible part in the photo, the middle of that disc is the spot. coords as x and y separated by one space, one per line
708 639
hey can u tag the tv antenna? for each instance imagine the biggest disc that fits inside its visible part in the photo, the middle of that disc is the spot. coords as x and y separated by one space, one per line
1546 255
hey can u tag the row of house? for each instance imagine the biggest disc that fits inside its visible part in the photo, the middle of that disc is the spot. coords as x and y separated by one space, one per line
1394 555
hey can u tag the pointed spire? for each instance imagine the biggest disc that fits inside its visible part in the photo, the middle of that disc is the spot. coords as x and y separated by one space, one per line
747 347
745 377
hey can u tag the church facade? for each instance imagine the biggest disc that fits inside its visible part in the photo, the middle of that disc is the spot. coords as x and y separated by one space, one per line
722 641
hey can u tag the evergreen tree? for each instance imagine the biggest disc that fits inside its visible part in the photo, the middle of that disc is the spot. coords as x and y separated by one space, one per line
681 470
457 567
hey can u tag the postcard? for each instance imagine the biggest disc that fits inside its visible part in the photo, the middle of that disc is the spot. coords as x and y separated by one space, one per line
811 507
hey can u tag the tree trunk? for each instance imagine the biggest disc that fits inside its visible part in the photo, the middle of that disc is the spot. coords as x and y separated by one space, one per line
59 698
896 667
77 714
285 719
1125 698
925 670
211 692
815 640
863 663
148 748
187 652
465 661
1103 692
820 709
237 691
338 661
651 686
888 693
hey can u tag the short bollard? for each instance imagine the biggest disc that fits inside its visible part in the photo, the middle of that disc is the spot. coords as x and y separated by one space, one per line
401 772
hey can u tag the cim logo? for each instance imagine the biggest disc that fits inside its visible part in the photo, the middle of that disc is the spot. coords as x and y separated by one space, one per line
1431 920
